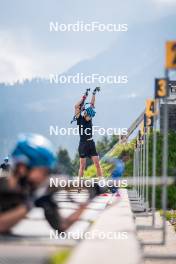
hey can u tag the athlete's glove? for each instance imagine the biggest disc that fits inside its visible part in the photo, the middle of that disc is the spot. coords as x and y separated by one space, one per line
97 89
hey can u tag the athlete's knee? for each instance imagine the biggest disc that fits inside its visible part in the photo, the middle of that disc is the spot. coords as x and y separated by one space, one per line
81 168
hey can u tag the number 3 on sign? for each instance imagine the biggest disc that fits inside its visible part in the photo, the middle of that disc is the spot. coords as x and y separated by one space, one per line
171 55
161 88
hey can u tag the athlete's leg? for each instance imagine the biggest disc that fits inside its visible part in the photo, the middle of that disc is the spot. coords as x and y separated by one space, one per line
96 162
82 166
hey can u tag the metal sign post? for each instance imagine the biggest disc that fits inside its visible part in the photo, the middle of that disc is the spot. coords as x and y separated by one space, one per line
165 164
154 169
147 170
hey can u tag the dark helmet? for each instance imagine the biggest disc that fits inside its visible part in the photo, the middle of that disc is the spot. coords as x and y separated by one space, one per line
34 150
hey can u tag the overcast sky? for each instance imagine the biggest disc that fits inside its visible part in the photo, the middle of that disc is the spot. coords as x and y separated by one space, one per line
28 49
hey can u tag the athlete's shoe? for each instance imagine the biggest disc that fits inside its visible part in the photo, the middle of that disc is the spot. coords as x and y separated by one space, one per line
117 194
104 194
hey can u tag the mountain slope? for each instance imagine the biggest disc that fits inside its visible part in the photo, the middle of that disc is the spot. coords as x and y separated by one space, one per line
35 105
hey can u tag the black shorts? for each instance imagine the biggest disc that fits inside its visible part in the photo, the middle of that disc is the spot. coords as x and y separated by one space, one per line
87 149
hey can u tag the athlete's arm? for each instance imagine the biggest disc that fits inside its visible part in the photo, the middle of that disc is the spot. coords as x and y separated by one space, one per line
93 100
66 223
11 218
77 106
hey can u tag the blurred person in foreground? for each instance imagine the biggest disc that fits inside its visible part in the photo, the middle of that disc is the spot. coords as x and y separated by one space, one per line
33 161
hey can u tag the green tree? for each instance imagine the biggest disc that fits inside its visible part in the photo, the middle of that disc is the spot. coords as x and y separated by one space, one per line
75 164
65 164
105 144
114 139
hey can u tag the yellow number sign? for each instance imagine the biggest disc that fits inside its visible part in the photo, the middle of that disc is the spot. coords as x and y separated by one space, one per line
171 54
150 107
161 88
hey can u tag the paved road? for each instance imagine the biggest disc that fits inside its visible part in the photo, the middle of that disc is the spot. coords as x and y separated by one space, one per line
155 236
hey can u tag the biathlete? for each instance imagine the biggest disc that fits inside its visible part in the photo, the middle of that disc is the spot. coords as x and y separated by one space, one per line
87 148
